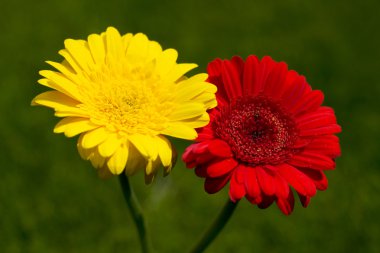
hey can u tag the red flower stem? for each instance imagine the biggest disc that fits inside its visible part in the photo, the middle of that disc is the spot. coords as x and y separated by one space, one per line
215 228
136 212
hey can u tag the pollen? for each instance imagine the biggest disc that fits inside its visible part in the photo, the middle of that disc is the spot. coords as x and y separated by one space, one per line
130 100
257 129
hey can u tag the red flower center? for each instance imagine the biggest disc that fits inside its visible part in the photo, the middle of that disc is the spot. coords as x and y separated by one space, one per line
257 129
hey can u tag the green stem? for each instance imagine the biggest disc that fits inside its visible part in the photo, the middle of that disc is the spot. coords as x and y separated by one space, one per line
136 212
215 228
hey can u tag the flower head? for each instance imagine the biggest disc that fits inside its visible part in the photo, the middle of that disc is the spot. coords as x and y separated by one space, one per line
122 94
268 132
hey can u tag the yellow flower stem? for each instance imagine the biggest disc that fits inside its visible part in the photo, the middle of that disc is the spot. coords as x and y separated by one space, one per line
136 212
215 228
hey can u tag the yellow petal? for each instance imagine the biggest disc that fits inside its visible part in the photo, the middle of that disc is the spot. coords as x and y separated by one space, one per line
145 145
138 45
64 69
94 137
190 90
151 146
211 103
149 167
166 61
206 98
179 70
59 82
135 162
180 131
64 105
198 78
186 111
137 141
70 60
152 168
113 43
72 126
80 52
118 160
197 122
154 49
125 39
96 45
54 99
97 160
84 153
109 146
164 150
70 112
173 162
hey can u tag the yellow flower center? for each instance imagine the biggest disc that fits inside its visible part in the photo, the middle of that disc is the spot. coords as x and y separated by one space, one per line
127 97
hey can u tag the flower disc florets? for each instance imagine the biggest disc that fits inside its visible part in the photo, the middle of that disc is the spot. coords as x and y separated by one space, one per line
258 130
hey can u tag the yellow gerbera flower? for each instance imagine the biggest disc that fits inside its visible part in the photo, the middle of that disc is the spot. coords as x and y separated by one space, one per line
122 94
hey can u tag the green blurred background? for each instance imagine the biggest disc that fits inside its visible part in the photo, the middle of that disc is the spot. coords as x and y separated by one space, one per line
52 201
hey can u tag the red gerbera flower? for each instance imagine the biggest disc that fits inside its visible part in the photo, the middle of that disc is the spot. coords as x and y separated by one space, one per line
269 132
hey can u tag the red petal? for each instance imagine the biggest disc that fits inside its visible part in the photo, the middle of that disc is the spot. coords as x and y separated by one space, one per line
305 200
301 142
201 170
249 75
327 145
191 165
266 181
275 87
266 201
214 68
219 148
213 185
321 112
265 66
308 102
312 161
251 183
205 133
315 120
238 63
318 177
300 182
330 129
237 190
221 167
204 158
296 87
188 156
200 148
255 201
205 136
282 187
231 80
286 204
221 103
